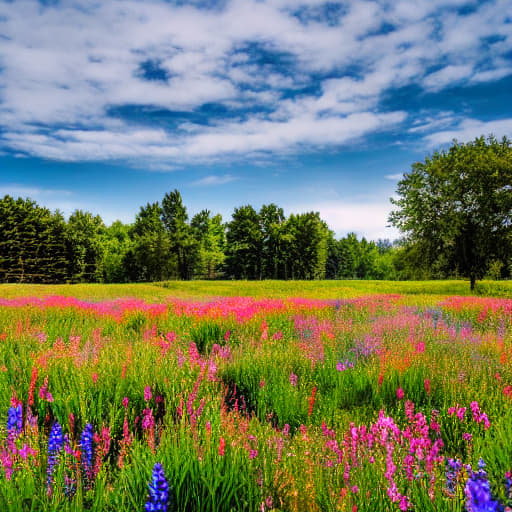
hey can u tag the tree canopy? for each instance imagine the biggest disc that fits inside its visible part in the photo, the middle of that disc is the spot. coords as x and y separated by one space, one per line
455 208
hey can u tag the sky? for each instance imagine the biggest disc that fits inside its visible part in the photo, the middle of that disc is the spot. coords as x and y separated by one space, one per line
312 105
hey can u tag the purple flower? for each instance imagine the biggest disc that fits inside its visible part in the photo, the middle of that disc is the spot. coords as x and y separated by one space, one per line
86 445
478 491
15 419
55 444
158 491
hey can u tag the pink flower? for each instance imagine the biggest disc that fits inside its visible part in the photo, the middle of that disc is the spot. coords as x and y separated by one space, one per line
293 379
94 378
253 454
125 402
467 437
399 393
427 386
147 393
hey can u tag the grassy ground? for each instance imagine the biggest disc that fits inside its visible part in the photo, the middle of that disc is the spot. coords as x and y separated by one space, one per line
270 289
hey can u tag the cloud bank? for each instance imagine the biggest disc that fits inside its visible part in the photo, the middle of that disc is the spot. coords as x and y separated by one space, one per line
169 83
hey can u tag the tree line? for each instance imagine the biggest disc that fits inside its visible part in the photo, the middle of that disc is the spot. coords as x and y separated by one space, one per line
41 246
454 210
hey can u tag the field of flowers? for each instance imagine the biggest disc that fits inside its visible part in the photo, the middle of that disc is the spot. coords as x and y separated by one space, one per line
376 403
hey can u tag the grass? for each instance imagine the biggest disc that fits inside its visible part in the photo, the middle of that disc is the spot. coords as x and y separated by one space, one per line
355 403
270 289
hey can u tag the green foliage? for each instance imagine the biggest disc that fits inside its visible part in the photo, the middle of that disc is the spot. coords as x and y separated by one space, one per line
456 207
33 243
244 244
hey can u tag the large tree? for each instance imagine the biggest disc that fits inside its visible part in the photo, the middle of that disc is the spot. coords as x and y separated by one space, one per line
183 243
456 206
209 233
244 244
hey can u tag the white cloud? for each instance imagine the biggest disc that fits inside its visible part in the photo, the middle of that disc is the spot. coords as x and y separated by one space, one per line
469 129
64 67
213 180
366 218
448 75
394 177
35 193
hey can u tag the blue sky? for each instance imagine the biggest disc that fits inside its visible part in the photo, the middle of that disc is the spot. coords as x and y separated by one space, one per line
313 105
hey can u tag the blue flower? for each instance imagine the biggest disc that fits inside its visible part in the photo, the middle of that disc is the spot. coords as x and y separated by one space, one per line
158 491
15 419
55 444
478 491
56 440
86 445
452 473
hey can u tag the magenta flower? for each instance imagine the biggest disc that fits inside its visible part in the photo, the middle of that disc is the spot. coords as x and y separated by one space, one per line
293 379
147 393
399 393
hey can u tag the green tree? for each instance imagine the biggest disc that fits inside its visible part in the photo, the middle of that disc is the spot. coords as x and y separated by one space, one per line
150 258
183 243
307 253
116 243
84 232
457 207
209 233
33 243
273 241
244 244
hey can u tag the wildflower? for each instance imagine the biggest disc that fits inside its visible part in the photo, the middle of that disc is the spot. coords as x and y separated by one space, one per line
253 454
222 446
426 383
293 379
147 393
15 419
312 401
55 444
32 387
158 491
478 491
87 446
125 402
345 365
399 393
452 473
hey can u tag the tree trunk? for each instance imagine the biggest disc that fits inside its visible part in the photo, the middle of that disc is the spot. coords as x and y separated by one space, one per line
473 281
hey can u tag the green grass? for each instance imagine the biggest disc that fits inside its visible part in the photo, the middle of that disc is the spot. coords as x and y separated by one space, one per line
157 292
265 386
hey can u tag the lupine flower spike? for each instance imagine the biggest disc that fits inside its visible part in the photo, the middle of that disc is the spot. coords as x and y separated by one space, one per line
158 491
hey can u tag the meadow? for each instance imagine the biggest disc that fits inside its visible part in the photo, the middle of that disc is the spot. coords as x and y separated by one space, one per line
230 396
